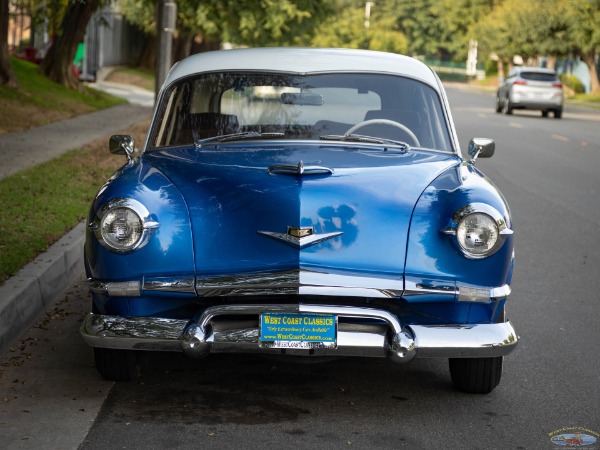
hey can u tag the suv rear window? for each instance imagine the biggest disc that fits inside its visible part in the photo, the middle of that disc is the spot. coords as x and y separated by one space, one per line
538 76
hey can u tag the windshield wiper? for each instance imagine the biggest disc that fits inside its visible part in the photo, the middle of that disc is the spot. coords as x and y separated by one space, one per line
363 138
239 137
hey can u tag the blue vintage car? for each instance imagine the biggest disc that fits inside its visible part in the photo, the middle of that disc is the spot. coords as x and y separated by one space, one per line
306 202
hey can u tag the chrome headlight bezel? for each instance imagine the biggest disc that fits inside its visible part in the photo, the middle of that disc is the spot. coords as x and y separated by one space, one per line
136 211
496 223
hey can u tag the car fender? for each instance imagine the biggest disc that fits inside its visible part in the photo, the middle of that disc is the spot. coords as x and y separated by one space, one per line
169 250
434 254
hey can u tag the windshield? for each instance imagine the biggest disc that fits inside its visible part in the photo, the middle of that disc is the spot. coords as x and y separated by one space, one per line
308 107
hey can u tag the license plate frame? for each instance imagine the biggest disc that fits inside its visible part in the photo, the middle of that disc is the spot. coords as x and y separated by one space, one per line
303 331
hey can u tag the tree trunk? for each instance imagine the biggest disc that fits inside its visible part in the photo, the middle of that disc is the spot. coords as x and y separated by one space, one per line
589 58
58 63
202 44
147 58
7 77
182 46
500 65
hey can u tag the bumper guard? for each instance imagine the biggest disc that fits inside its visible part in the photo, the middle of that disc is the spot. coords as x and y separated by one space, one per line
204 336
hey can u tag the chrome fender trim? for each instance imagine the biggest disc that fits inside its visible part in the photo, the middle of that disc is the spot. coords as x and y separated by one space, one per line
300 282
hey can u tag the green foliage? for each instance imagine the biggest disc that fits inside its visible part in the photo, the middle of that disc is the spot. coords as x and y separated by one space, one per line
240 22
573 83
540 27
459 21
583 19
348 30
43 10
491 68
420 23
274 22
141 13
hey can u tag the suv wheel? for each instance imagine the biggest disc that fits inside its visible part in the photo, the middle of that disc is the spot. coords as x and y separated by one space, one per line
558 113
476 375
498 104
506 106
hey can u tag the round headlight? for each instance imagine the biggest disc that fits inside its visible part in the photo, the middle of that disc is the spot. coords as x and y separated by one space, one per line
479 230
477 234
123 225
121 228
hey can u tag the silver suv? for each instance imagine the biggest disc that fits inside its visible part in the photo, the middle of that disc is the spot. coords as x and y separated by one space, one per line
531 88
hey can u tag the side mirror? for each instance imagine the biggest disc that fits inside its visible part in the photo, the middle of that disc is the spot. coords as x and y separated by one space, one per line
120 144
481 147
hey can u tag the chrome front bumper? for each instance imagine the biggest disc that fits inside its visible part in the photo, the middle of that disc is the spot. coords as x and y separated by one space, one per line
209 335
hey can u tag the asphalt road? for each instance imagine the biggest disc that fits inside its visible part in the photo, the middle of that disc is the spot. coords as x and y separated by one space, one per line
548 170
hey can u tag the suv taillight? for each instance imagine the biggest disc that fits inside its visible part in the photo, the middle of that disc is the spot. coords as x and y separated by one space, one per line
520 82
557 84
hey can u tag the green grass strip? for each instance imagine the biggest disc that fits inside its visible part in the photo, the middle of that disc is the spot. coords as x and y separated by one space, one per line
41 204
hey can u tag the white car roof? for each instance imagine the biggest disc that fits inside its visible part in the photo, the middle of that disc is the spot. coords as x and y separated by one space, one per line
303 60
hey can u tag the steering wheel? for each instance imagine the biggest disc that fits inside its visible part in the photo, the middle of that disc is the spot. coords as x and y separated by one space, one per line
388 122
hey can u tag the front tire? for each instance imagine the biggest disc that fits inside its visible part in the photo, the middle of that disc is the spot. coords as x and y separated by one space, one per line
498 104
476 375
116 365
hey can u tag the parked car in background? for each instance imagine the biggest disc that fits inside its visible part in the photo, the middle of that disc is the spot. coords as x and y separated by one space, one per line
531 88
310 202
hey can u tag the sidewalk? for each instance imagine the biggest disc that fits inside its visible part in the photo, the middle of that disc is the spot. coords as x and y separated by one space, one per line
24 149
35 288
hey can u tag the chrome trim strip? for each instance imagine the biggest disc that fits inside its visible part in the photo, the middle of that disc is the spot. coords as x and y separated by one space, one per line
421 287
300 282
97 287
500 292
166 284
293 282
115 288
255 284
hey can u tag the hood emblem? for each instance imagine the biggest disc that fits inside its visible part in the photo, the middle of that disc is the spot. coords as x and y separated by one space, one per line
300 237
299 169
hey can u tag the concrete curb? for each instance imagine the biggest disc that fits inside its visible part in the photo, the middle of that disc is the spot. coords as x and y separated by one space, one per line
25 297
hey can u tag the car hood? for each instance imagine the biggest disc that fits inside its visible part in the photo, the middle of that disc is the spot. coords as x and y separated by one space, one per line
240 211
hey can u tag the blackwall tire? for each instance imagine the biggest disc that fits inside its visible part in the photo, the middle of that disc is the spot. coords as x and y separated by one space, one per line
116 365
476 375
506 106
